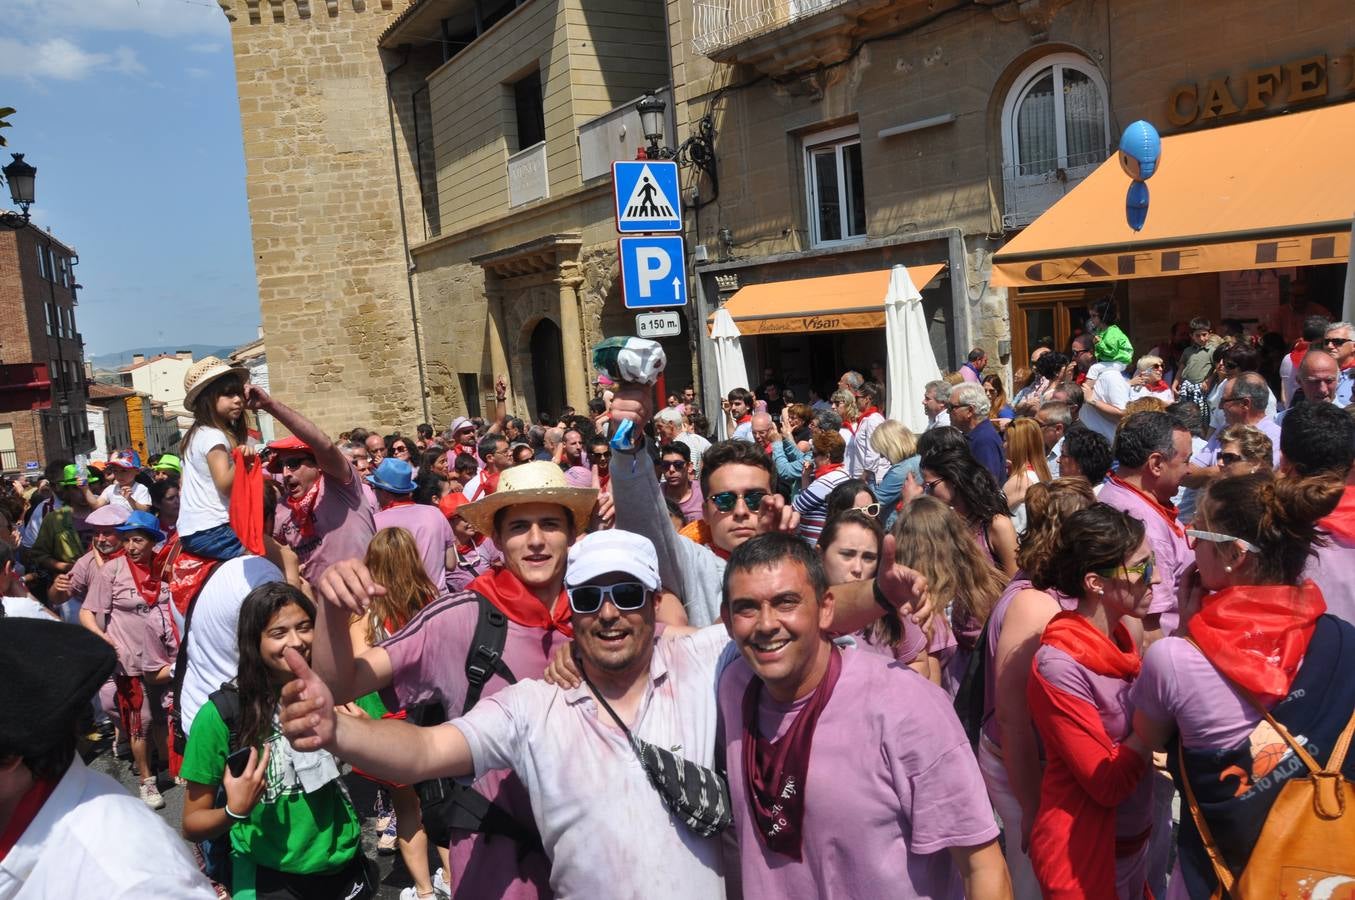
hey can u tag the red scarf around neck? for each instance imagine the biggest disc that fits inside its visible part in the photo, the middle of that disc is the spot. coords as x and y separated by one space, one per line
1161 388
869 410
825 469
776 774
146 577
303 508
506 591
1341 520
1075 635
1166 510
1256 635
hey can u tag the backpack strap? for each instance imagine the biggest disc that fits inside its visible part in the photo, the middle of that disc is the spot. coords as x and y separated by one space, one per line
485 658
1221 870
227 703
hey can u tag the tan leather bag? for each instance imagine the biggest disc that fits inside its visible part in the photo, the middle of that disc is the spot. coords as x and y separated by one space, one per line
1307 845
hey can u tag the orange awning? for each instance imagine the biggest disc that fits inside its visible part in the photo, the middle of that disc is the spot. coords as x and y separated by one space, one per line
828 303
1268 194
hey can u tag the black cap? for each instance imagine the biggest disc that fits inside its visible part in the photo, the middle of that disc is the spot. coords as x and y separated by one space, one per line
51 671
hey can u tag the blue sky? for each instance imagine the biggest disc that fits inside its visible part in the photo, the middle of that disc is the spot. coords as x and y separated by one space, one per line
128 109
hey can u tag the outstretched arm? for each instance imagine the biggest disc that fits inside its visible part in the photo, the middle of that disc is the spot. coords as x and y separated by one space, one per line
328 456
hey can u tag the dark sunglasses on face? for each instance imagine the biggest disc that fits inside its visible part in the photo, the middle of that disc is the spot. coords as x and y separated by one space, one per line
626 596
399 448
1227 459
1336 341
293 463
725 501
674 465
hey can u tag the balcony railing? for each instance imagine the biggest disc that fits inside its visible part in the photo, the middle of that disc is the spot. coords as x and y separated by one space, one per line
722 24
1027 194
9 460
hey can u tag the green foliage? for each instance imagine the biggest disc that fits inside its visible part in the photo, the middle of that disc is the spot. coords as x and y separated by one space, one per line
5 112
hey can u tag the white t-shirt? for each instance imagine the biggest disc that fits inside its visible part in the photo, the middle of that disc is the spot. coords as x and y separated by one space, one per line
1111 387
113 494
26 608
602 823
213 657
201 505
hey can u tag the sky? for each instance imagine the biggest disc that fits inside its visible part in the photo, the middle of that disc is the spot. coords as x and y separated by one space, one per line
128 109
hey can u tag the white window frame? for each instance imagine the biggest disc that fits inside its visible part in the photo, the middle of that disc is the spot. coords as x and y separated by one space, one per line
1021 86
838 138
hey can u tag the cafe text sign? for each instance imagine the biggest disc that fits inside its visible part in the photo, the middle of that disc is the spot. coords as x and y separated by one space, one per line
1305 80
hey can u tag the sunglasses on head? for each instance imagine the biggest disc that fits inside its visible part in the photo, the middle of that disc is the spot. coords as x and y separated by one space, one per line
626 596
725 501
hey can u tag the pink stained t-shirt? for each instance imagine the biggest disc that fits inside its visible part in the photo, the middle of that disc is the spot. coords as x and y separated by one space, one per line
1177 684
142 634
1168 546
892 785
428 665
431 531
996 619
343 527
1332 569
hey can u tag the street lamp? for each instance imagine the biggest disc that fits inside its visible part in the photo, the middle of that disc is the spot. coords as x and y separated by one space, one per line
21 177
651 110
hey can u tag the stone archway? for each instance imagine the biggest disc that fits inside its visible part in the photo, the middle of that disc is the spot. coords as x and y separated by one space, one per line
545 346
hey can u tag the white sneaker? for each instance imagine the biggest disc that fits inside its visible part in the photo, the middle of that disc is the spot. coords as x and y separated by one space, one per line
150 795
410 893
441 888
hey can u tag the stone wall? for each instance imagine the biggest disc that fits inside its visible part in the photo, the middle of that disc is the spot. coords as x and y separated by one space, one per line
321 180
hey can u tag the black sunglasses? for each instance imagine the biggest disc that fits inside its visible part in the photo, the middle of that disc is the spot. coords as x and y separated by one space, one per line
626 596
675 464
725 501
1227 459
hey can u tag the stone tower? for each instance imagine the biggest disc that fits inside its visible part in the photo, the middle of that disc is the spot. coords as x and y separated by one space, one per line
324 206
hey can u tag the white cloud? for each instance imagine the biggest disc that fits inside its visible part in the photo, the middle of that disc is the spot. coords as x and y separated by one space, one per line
165 18
125 61
205 48
195 72
62 60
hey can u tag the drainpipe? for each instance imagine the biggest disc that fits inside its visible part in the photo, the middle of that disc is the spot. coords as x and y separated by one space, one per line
404 237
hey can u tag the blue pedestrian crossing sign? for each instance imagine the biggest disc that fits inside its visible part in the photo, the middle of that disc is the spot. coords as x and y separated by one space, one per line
653 271
647 196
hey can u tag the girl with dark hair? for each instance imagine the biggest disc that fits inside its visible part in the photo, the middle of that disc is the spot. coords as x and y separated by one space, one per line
957 479
215 392
851 494
293 832
1090 835
1256 663
434 459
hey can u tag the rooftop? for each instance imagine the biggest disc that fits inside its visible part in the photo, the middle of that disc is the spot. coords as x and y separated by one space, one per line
99 390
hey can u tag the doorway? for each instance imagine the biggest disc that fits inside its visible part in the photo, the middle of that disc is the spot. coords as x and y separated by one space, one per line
548 367
1057 316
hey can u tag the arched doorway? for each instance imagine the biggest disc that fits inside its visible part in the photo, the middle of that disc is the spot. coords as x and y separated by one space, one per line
548 367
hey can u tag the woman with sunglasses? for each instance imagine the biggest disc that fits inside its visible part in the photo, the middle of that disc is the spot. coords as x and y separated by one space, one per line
1257 640
1244 450
1090 834
399 448
958 480
843 403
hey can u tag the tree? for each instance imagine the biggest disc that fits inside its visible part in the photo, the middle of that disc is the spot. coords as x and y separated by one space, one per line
5 112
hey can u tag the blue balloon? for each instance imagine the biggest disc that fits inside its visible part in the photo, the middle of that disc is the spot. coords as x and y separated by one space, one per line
1140 150
1136 205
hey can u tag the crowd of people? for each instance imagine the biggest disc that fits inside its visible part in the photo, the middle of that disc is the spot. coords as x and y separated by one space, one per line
1082 640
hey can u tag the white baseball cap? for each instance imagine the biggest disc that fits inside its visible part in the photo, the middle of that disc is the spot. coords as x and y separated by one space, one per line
613 550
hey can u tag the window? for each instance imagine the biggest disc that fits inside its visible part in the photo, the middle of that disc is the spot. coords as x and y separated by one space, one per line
42 262
53 319
63 270
470 392
837 194
530 109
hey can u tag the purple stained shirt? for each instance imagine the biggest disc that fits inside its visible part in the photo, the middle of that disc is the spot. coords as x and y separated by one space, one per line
471 565
428 665
691 507
1179 685
1333 571
142 634
343 527
882 825
1169 546
431 531
995 620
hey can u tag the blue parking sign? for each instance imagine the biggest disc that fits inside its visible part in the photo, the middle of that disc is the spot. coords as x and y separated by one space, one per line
653 271
646 195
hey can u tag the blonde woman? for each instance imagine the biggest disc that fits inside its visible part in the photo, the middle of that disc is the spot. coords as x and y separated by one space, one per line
1149 380
1244 450
1028 465
892 440
844 404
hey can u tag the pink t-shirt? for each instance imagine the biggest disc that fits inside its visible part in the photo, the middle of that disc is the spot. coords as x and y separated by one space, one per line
428 665
892 785
431 531
343 527
1333 570
82 573
145 640
472 564
691 507
1177 684
995 621
1169 546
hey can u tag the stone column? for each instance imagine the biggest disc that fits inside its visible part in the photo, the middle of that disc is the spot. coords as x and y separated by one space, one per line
498 340
575 354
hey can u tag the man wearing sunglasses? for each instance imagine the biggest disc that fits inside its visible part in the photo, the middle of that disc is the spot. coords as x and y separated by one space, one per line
602 823
675 471
1243 402
1340 343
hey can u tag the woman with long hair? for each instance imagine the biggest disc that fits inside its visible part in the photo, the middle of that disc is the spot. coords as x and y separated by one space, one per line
293 832
998 408
1255 662
843 403
1090 834
892 440
957 479
394 561
1028 465
961 579
1009 754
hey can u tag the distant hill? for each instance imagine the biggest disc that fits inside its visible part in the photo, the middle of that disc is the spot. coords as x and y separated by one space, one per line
124 357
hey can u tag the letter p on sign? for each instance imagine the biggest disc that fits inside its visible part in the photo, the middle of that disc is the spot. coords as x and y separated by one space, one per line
653 271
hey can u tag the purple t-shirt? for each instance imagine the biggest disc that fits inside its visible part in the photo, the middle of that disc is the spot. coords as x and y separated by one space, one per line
431 531
143 635
343 527
428 665
1177 684
995 620
1333 571
1267 426
1167 544
691 507
883 824
472 564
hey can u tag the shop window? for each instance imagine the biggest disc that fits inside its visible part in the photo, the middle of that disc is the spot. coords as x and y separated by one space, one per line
530 109
836 189
470 392
1055 131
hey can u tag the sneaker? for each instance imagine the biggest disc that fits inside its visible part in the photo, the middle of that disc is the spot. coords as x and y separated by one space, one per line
150 795
410 893
441 888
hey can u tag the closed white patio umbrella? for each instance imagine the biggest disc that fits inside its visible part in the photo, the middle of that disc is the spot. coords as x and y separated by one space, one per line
911 363
730 370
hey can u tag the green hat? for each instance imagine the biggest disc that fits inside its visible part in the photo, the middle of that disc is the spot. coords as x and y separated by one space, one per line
70 477
168 462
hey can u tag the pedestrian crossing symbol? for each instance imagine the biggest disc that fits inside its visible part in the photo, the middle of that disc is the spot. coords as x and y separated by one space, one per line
647 197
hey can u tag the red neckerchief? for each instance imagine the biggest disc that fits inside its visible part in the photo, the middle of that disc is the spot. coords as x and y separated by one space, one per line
303 509
869 410
396 504
1341 520
502 588
1166 510
1080 639
146 577
25 811
1256 635
604 479
1162 387
776 774
825 469
489 482
1080 378
106 558
747 418
463 549
1296 355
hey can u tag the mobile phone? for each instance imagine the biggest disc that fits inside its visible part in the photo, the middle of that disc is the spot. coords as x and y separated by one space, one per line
237 762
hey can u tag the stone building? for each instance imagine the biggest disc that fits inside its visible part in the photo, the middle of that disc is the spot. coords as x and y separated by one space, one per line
42 365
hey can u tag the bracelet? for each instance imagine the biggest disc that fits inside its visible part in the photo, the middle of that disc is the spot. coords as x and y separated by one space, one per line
880 599
234 815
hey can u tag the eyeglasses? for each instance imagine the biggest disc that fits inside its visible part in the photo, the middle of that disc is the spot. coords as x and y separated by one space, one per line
1143 569
929 487
870 509
1229 365
725 501
954 406
1336 342
1193 537
293 463
672 465
605 455
399 448
1227 459
626 596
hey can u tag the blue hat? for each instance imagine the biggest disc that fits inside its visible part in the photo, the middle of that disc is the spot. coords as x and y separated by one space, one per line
140 520
393 475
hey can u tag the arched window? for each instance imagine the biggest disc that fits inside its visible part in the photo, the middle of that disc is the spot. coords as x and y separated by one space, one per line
1055 130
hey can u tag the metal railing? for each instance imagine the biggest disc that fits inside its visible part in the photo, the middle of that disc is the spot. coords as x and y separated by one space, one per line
9 460
1029 190
721 24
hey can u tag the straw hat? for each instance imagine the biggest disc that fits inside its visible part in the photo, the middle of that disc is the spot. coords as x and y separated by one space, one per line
204 372
534 482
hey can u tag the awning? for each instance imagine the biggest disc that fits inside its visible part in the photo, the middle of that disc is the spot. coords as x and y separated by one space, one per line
828 303
1268 194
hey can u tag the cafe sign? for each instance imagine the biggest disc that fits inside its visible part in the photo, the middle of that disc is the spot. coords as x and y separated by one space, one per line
1308 79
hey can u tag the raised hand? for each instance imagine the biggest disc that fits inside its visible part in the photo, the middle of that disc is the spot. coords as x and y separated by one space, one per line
256 397
307 708
348 584
634 403
904 588
775 514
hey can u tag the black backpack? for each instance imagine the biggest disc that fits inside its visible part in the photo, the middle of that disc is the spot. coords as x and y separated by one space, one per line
969 698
